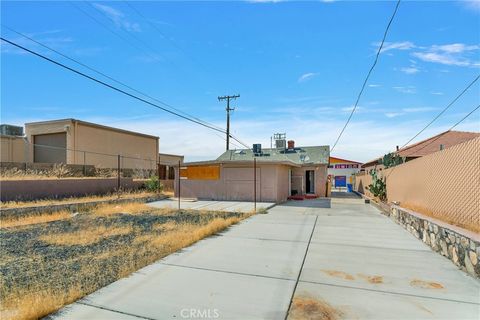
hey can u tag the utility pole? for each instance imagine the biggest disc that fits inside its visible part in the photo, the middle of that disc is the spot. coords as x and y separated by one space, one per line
228 109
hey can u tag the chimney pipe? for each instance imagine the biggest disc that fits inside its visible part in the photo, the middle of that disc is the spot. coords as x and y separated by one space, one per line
291 144
398 148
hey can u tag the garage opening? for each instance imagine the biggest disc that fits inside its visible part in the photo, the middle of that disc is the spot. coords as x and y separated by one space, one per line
50 148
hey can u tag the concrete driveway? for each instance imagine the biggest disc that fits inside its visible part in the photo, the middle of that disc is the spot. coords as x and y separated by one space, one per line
237 206
342 254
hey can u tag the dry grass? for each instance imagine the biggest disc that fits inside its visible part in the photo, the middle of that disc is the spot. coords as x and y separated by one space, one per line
305 308
128 208
425 284
85 236
474 226
34 219
36 305
48 202
94 250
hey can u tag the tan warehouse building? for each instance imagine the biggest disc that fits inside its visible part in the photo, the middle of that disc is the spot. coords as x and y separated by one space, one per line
74 141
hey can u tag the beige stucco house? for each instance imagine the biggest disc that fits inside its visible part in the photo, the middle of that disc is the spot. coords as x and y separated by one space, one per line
74 141
280 173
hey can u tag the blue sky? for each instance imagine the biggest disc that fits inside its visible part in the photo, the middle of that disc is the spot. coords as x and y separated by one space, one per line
298 67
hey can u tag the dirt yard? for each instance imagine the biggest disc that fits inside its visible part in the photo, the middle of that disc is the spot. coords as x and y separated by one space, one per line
47 264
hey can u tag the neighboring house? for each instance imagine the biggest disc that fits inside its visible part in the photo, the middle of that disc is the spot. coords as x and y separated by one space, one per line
280 172
166 165
72 141
340 171
436 143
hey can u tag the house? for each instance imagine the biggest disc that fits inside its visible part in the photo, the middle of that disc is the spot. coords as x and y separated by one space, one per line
280 172
341 171
72 141
436 143
166 165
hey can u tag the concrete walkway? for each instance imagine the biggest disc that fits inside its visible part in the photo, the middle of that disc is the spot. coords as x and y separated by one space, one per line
237 206
341 252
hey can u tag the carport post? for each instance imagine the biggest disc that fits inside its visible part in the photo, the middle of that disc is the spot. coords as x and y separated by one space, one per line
118 175
255 184
84 164
179 177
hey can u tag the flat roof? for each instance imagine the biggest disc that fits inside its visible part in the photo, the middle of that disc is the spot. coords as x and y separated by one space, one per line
170 155
91 124
249 162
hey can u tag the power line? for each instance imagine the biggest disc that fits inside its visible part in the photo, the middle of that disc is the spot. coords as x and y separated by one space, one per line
156 28
108 77
444 109
111 30
115 88
146 45
368 75
439 136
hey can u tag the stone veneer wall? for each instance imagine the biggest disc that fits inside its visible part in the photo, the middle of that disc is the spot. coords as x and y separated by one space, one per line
460 246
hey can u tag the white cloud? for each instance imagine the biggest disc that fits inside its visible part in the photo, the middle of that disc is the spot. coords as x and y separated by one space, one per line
265 1
418 109
441 58
410 70
374 85
306 76
409 89
455 54
387 46
472 4
118 17
437 93
349 109
455 47
393 114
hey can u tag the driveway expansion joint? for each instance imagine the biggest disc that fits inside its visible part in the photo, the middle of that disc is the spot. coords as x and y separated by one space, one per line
226 271
301 267
116 311
390 292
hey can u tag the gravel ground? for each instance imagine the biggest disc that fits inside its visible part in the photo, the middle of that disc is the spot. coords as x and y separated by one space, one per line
29 264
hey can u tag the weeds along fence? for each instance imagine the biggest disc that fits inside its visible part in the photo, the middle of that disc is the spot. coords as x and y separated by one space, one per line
53 161
443 185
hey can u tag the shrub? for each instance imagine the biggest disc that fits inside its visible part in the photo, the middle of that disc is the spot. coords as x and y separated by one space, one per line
153 184
391 160
378 187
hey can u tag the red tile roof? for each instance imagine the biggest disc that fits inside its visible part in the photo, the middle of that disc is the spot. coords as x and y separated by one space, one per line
431 145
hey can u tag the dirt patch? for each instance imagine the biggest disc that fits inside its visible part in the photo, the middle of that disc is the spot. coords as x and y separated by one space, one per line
371 279
426 284
46 265
339 274
305 308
